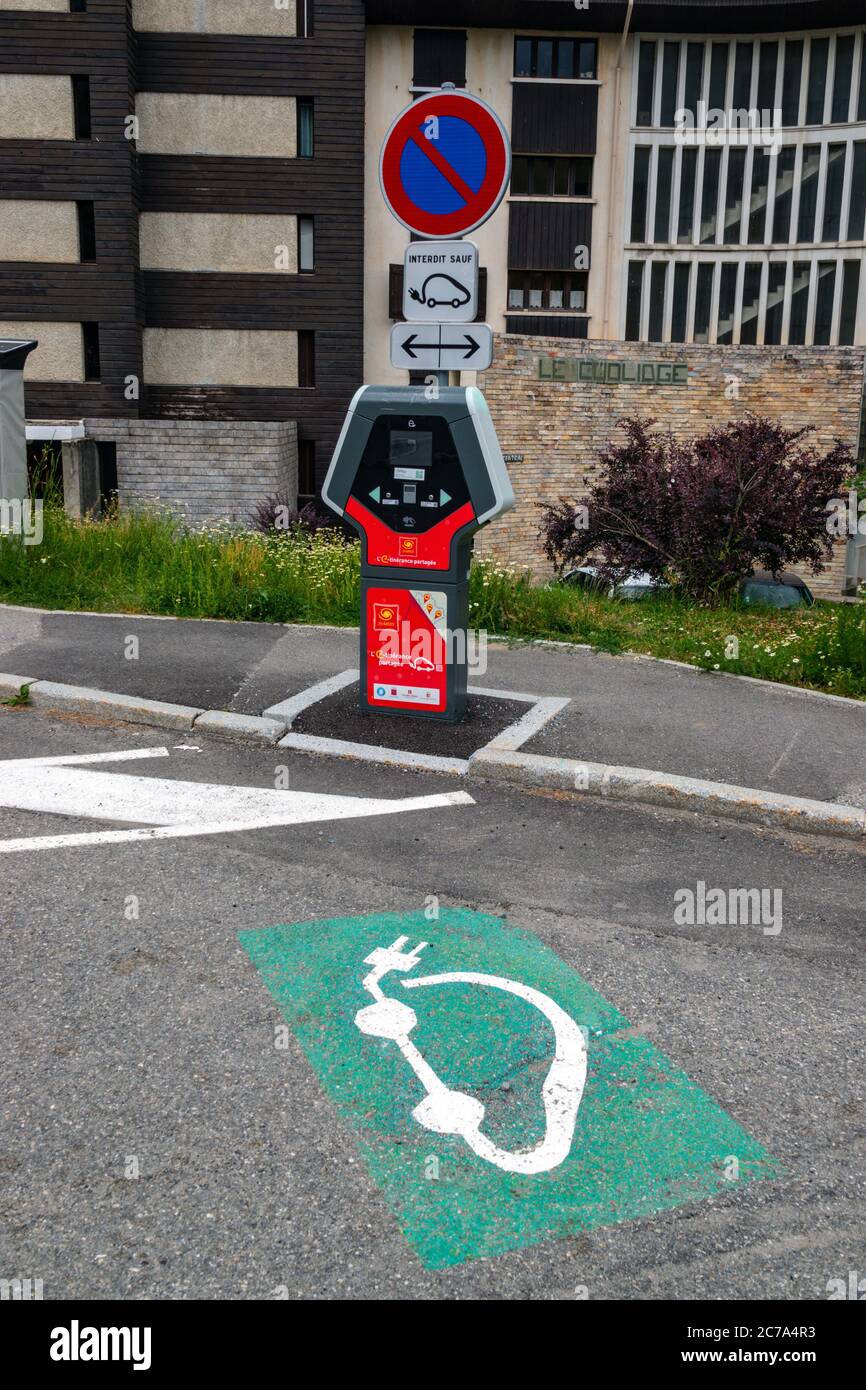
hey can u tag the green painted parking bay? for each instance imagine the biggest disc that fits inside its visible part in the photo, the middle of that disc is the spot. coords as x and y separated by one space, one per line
497 1098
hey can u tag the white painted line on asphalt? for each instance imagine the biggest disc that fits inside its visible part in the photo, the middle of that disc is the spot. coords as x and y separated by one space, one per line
77 759
514 737
490 693
373 753
288 710
172 809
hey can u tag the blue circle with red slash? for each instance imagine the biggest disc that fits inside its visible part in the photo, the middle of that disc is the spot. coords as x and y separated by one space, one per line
445 165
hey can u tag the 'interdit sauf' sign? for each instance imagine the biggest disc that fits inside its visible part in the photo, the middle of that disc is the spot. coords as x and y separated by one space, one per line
498 1100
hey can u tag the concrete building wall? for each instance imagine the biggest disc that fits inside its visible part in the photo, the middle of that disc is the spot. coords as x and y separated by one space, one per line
35 108
32 230
60 354
215 17
389 74
220 357
225 242
62 5
207 123
204 471
560 427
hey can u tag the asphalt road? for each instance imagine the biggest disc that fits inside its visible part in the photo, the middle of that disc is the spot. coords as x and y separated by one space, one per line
147 1046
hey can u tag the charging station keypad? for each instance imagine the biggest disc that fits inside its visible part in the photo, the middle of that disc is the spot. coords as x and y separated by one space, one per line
410 476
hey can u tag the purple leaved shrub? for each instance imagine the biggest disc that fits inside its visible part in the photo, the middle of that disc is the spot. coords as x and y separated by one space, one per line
279 514
701 514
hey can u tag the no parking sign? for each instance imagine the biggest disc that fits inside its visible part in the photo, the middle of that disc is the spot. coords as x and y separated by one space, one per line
445 164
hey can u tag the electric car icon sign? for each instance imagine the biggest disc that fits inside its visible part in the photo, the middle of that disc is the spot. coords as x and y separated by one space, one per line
439 290
440 282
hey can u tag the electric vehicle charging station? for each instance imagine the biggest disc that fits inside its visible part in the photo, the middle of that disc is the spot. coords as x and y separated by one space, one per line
417 478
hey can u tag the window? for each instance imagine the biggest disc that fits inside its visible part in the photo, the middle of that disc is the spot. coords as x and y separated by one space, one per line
734 196
742 76
758 201
306 469
718 77
306 358
694 77
809 192
440 56
688 171
633 301
791 81
850 294
658 284
90 342
775 303
816 90
842 79
77 6
670 82
543 176
547 289
680 313
751 302
710 200
81 107
784 194
704 301
305 128
800 283
646 84
664 179
640 193
306 244
861 98
824 307
304 23
768 62
857 210
833 192
563 58
86 231
727 302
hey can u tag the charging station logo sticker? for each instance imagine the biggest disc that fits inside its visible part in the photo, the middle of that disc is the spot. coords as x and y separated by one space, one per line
497 1098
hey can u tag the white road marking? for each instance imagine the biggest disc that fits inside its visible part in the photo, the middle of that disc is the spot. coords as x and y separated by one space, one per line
166 809
448 1111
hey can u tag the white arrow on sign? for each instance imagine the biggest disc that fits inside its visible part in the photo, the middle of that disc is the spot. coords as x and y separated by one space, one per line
166 809
443 347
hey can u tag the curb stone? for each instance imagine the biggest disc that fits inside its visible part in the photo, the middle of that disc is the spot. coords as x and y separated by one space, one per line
53 695
530 770
255 728
667 789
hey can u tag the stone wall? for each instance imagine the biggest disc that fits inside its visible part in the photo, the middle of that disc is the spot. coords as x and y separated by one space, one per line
560 425
204 471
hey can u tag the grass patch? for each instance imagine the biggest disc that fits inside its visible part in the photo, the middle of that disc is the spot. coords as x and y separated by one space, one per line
147 563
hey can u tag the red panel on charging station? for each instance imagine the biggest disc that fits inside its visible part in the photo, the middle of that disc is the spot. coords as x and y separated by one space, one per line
427 550
407 650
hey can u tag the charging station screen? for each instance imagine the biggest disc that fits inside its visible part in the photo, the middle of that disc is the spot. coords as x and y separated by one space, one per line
411 448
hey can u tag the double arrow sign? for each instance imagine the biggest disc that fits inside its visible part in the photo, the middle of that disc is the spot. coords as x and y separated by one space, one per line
440 301
442 347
